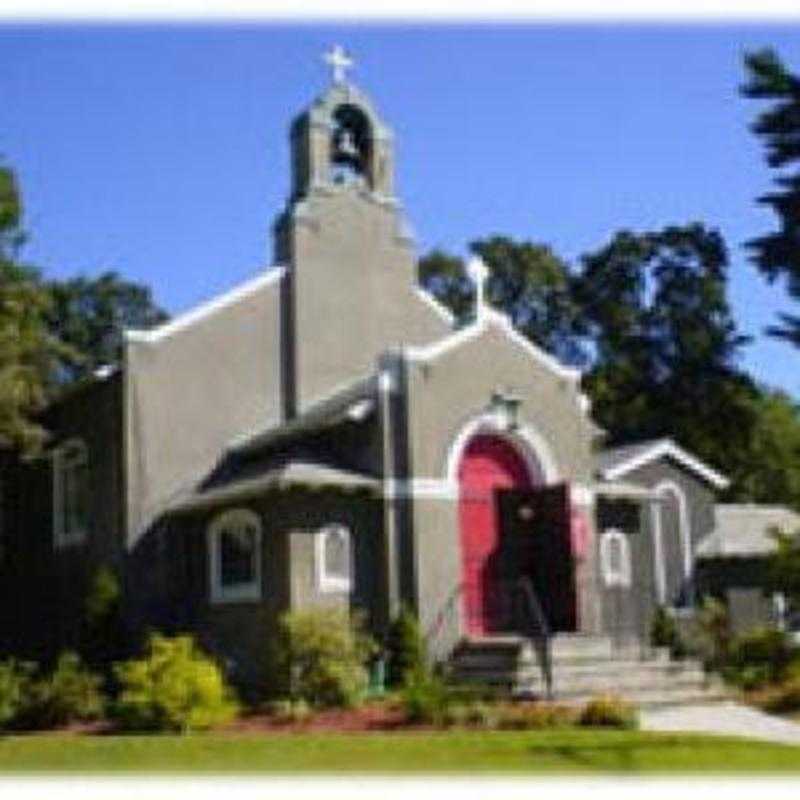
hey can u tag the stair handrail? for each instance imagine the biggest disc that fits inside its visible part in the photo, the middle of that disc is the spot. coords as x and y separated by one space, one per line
447 611
537 630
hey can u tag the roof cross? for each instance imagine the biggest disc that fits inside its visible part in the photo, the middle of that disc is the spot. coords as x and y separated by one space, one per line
339 62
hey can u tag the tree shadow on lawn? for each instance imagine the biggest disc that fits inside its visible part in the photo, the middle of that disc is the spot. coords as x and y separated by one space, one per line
630 754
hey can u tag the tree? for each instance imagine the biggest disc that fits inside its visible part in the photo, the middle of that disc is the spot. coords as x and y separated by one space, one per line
527 281
777 254
28 352
665 343
90 316
774 452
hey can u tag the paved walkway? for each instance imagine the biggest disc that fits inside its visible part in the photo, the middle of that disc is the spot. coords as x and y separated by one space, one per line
726 719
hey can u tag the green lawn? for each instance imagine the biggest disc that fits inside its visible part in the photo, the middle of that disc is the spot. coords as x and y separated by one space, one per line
465 752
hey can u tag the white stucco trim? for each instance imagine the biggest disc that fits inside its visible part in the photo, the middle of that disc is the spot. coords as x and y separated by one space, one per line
421 488
68 456
243 592
204 310
439 308
684 523
332 584
668 448
531 445
659 567
491 316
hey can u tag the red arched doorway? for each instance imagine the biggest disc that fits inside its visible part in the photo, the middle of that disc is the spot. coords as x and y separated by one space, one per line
488 463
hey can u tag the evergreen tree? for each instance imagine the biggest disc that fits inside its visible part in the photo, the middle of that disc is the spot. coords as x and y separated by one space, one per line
777 254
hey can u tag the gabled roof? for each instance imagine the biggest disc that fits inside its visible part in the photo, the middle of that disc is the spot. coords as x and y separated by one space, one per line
352 401
492 317
272 276
742 530
619 461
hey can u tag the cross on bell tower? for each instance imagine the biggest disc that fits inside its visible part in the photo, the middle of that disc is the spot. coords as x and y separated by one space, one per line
339 62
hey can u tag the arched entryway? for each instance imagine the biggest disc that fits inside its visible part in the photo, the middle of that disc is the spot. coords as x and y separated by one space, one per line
488 463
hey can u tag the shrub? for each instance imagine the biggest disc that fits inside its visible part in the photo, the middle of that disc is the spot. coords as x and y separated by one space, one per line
759 657
664 633
16 680
608 711
103 633
293 711
325 652
427 699
536 717
406 648
70 693
175 686
711 631
782 698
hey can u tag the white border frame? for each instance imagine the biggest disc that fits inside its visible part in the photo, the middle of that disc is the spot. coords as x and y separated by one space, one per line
621 578
61 538
527 441
328 584
662 489
242 592
666 447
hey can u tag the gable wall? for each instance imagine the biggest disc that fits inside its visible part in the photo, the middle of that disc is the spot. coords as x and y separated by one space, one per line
443 396
189 394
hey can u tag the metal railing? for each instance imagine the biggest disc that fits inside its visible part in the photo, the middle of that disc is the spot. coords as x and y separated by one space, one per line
514 607
532 623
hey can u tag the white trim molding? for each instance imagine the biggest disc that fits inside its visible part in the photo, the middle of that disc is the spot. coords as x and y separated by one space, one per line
619 576
528 442
684 522
70 461
441 310
204 310
491 316
238 520
666 447
338 584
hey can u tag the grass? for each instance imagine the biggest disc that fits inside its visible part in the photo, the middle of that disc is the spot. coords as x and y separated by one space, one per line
538 752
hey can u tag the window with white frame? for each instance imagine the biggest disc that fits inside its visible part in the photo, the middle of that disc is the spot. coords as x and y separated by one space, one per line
234 548
70 493
615 558
334 559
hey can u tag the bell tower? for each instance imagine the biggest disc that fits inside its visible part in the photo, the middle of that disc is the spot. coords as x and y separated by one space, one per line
340 141
351 269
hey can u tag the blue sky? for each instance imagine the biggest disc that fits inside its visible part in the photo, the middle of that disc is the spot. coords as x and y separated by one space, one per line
162 151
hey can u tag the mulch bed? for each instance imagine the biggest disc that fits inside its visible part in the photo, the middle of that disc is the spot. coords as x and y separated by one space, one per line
376 716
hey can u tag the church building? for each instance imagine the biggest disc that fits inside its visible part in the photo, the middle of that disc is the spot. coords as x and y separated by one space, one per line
324 434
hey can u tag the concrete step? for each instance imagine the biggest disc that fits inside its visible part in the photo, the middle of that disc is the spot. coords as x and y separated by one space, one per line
583 666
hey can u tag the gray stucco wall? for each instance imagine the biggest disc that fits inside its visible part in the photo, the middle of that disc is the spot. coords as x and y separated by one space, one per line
246 632
444 395
191 392
700 499
446 392
352 289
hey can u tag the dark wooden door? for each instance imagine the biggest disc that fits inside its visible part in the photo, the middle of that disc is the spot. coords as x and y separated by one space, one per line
536 542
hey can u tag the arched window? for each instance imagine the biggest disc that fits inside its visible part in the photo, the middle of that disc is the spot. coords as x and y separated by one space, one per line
234 547
615 558
334 559
70 493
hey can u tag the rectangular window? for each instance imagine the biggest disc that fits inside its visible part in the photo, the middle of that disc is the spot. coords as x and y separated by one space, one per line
70 494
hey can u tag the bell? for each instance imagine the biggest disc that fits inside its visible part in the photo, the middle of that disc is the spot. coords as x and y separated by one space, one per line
347 145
